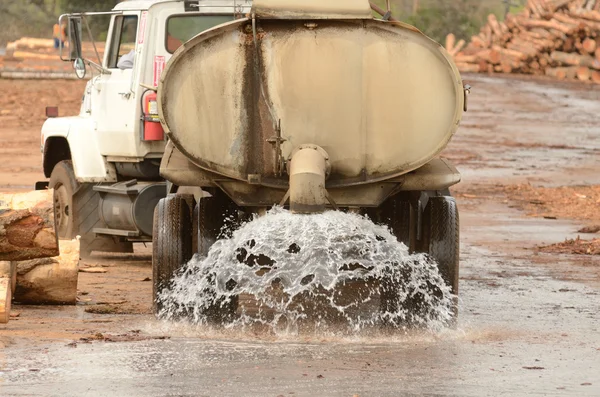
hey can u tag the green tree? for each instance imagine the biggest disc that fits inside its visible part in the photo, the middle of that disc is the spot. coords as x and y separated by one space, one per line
461 17
36 17
437 18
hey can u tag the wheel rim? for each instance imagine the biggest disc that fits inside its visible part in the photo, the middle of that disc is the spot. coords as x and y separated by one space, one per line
62 207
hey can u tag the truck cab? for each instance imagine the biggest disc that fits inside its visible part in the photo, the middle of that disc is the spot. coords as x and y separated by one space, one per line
103 164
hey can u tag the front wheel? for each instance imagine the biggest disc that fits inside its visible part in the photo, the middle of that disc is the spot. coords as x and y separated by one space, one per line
76 212
63 181
171 244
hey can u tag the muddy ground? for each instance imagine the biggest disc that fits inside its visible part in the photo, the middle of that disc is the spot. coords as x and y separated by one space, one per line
529 152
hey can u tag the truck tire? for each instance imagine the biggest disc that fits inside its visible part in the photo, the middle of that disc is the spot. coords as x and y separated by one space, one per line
395 214
171 244
77 214
440 240
63 181
441 237
215 217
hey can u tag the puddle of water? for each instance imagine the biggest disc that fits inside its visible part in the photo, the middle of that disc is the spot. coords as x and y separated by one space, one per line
332 273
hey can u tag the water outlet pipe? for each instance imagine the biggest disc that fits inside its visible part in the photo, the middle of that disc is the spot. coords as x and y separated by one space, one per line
309 167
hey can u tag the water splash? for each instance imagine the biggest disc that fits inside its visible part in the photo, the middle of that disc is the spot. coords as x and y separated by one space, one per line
326 272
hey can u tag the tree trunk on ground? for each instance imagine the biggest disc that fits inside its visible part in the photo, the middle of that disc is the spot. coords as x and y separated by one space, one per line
468 67
8 281
9 270
590 15
505 52
575 59
562 72
589 45
552 24
5 300
459 46
27 229
466 59
450 42
50 280
583 73
478 41
495 26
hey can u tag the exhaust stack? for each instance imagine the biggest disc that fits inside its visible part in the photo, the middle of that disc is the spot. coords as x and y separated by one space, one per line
308 168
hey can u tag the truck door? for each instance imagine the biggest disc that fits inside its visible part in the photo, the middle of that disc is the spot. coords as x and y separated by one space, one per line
115 103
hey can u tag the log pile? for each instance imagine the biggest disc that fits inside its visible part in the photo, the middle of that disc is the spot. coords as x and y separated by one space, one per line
557 38
34 45
35 58
33 267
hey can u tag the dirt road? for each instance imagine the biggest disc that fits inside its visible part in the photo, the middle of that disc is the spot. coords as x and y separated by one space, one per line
529 152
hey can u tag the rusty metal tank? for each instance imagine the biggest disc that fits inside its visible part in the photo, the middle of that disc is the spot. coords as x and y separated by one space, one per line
380 98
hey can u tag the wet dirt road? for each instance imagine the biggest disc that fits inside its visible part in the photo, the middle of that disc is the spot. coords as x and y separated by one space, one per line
529 322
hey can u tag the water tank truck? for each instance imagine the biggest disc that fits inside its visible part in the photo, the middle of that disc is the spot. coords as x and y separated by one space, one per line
312 105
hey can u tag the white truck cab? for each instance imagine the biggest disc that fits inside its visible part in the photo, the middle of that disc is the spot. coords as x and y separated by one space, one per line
103 164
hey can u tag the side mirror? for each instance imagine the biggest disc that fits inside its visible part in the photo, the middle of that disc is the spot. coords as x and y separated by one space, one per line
80 68
74 32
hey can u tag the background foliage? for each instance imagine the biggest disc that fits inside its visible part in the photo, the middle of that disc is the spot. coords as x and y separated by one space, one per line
437 18
35 18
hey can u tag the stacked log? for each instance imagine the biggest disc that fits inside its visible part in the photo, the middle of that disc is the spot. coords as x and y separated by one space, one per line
49 281
557 38
36 45
27 229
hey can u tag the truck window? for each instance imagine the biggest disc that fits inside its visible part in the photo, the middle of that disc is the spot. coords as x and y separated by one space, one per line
181 28
123 39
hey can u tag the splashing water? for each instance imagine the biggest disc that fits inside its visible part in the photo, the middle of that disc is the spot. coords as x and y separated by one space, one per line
291 272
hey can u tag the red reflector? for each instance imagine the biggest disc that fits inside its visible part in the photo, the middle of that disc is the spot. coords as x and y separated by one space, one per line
52 111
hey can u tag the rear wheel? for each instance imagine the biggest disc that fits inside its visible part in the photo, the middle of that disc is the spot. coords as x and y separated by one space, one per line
441 237
171 245
215 217
76 207
396 214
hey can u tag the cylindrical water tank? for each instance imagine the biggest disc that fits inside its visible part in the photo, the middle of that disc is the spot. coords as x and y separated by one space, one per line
381 98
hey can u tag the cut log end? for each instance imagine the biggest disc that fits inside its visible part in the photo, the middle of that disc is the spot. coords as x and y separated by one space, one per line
583 73
27 228
5 300
50 280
